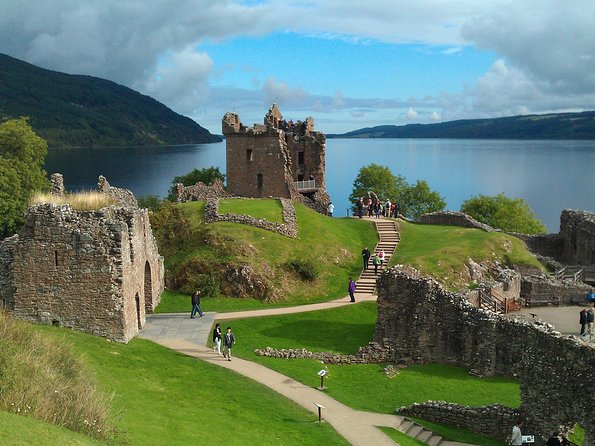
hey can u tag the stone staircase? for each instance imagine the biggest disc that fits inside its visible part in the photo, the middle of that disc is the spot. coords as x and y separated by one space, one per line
414 430
389 239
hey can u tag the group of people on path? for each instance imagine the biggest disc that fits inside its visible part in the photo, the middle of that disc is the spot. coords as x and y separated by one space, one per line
377 260
376 208
228 338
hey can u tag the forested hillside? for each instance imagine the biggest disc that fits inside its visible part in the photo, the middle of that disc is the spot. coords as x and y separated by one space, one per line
549 126
81 111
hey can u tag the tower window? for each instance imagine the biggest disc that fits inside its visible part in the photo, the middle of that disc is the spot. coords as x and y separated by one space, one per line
300 158
249 155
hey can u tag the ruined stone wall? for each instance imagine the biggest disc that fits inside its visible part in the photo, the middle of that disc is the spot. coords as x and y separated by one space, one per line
6 276
200 192
85 270
426 324
548 245
577 229
544 290
451 218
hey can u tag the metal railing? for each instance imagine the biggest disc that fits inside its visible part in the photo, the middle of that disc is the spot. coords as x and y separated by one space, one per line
305 185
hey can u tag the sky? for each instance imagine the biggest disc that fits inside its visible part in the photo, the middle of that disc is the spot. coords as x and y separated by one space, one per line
348 64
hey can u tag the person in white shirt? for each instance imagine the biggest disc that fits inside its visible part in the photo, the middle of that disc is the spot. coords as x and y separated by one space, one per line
330 209
517 438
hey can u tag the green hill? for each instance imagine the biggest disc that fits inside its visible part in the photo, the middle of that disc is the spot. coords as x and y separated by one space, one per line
84 111
549 126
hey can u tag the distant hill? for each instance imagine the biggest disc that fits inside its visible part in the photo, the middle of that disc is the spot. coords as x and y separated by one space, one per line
81 111
549 126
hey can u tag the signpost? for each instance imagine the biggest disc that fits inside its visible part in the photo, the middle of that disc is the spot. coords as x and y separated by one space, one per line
322 374
320 407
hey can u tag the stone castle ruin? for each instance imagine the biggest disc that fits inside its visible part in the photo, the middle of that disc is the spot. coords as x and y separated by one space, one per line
95 271
279 158
419 322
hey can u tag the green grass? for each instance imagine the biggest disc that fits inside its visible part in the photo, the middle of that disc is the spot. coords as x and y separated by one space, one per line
343 330
332 244
270 210
454 433
19 430
164 397
442 251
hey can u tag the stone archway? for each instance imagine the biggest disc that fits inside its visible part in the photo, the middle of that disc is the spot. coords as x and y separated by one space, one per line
138 317
148 291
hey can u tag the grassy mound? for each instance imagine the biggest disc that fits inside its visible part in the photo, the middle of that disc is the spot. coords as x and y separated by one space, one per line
41 378
442 251
313 268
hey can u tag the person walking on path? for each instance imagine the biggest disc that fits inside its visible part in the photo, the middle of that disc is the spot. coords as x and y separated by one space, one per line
351 289
228 341
217 338
516 438
196 305
376 262
590 320
366 256
381 255
583 321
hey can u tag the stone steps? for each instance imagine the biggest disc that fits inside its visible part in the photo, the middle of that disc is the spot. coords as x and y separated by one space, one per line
414 430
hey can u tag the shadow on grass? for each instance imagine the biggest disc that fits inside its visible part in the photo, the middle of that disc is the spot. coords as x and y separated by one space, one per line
341 337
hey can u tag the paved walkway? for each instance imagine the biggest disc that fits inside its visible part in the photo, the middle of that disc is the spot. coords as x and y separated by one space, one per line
190 336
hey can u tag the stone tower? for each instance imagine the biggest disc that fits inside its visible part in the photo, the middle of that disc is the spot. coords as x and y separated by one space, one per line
278 158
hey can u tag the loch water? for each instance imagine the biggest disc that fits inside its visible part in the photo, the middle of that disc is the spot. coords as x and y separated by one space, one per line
549 175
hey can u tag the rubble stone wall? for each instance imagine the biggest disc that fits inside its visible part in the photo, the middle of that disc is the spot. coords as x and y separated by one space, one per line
452 218
6 276
427 324
494 421
544 290
200 192
577 229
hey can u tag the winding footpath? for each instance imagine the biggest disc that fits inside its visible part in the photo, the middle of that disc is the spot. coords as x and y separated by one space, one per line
190 336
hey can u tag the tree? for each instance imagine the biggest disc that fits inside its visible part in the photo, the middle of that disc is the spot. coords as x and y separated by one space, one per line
508 214
378 179
417 200
22 155
206 176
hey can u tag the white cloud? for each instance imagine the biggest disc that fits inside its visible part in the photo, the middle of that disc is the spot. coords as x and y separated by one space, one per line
411 115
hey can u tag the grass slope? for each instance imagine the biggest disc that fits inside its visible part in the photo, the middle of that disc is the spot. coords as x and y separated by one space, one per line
333 245
19 430
164 397
442 251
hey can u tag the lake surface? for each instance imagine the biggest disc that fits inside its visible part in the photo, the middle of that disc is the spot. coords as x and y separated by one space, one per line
549 175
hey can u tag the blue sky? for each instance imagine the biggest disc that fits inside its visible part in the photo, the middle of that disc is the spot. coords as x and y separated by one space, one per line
348 64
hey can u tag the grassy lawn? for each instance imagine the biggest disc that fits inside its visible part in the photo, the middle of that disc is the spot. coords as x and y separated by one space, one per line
343 330
164 397
270 210
400 438
442 251
333 245
454 433
19 430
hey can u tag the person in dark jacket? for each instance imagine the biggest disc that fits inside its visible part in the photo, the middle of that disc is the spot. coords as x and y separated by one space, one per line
583 320
351 289
366 256
196 305
554 440
590 321
228 341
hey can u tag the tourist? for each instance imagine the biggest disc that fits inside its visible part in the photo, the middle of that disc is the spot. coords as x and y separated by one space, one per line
376 262
196 305
217 338
370 209
366 256
583 321
330 209
381 256
377 207
517 438
387 208
228 341
351 289
590 320
554 440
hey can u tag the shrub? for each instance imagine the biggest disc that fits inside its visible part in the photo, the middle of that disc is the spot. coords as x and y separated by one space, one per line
42 378
305 268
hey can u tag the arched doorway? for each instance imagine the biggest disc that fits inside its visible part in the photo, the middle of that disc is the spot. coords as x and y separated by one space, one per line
259 184
148 291
138 319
